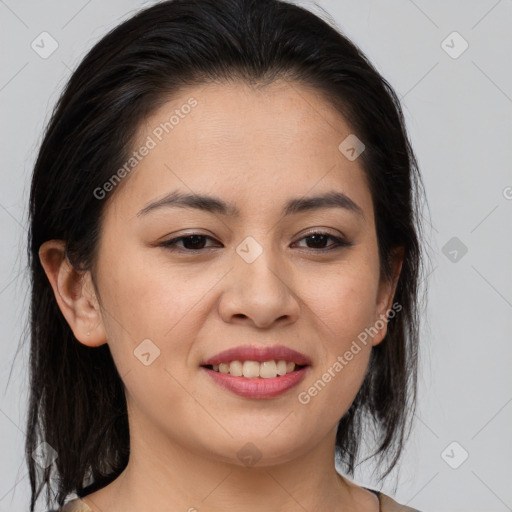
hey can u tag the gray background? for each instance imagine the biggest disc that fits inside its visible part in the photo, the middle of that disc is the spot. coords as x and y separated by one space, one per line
459 116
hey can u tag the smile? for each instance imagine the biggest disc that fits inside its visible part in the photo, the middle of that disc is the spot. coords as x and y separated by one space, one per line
254 369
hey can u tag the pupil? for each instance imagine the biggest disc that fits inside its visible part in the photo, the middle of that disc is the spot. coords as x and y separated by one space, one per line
317 237
194 240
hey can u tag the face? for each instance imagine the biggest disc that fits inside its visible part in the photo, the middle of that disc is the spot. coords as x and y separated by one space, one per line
179 284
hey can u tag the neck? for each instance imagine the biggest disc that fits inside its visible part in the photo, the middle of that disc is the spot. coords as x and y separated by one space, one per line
155 478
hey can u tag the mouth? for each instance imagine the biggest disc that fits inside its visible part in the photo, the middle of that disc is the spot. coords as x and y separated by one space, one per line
256 370
257 387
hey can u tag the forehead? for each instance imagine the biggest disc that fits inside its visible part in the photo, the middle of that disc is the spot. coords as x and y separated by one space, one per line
253 144
280 115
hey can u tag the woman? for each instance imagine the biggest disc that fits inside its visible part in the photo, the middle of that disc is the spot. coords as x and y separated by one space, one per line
225 258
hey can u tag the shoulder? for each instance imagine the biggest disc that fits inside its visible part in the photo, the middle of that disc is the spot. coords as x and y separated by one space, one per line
388 504
75 505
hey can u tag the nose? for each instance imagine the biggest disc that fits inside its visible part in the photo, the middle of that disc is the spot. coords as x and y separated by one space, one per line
259 292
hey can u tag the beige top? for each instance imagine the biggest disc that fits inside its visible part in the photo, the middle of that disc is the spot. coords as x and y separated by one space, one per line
387 504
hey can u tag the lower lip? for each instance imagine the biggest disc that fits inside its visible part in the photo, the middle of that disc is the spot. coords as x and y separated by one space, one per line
258 387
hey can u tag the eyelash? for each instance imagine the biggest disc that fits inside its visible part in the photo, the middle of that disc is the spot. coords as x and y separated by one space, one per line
171 245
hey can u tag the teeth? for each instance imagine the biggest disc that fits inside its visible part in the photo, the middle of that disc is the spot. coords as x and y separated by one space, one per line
236 368
254 369
268 370
251 369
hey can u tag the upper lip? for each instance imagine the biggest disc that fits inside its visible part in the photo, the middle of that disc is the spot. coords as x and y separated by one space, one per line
259 354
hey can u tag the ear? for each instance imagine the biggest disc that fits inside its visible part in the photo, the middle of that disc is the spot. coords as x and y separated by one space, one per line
385 294
74 292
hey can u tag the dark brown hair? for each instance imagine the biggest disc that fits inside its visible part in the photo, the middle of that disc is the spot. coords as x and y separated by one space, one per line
77 402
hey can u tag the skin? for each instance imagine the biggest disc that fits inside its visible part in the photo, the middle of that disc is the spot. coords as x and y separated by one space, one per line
256 148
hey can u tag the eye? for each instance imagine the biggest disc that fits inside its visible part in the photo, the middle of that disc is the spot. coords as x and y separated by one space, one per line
196 242
318 240
192 242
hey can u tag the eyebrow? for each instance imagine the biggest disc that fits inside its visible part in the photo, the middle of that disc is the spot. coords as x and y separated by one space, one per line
213 204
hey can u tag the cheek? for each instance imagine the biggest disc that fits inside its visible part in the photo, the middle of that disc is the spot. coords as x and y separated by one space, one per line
344 310
345 302
347 311
164 305
145 299
343 307
150 319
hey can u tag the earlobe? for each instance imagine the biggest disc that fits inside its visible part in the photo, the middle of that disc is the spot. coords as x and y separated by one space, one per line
74 294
